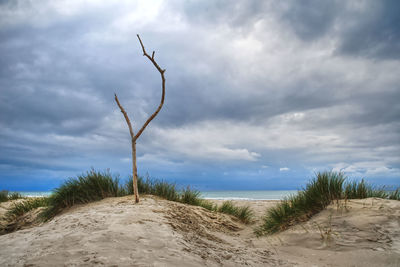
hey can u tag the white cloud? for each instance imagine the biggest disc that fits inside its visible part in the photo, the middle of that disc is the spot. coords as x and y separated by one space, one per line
367 169
284 169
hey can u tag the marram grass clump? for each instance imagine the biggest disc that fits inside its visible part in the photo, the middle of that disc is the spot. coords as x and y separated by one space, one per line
95 185
92 186
154 187
394 194
6 196
3 195
244 214
188 196
318 194
20 208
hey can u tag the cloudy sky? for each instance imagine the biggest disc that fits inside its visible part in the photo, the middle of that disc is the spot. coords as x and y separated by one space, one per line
259 94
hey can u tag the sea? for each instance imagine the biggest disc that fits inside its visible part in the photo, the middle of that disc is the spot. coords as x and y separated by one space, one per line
248 195
222 195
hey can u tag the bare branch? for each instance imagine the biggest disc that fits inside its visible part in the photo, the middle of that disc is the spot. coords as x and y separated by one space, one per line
126 117
163 90
149 57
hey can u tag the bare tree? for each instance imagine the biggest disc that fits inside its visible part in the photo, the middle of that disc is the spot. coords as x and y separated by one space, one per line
133 136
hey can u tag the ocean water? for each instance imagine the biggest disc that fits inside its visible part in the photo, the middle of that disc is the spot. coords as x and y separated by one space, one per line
35 193
248 195
223 195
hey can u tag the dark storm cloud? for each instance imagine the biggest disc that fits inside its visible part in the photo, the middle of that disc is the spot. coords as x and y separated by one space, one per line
52 79
240 69
310 19
366 28
240 14
373 31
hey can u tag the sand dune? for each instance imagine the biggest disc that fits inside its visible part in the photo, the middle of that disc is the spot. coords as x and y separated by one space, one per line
156 232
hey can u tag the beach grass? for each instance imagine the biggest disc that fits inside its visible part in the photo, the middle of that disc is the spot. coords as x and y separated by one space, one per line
3 195
6 196
244 214
20 208
321 191
208 205
188 196
89 187
394 194
154 187
95 185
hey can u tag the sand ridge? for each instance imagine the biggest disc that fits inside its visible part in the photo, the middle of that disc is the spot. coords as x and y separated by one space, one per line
157 232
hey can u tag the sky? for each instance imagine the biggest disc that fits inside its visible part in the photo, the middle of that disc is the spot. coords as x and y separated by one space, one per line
260 95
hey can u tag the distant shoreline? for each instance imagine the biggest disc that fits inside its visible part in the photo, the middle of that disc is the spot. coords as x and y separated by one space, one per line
246 195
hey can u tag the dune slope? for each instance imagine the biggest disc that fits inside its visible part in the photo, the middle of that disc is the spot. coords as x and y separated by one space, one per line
157 232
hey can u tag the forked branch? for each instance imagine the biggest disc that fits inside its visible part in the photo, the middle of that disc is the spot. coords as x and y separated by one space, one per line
151 58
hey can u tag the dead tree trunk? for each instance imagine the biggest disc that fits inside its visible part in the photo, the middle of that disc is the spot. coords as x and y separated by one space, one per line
133 136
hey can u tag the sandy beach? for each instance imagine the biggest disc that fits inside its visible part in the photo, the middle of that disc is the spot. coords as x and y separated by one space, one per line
157 232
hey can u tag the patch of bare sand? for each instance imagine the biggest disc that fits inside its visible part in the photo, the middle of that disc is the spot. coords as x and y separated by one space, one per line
218 238
117 232
354 233
155 232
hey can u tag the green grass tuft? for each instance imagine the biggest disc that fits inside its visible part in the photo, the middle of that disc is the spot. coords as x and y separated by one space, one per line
95 186
227 207
14 195
394 194
155 187
166 190
190 196
92 186
244 214
19 209
319 193
6 196
208 205
3 195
